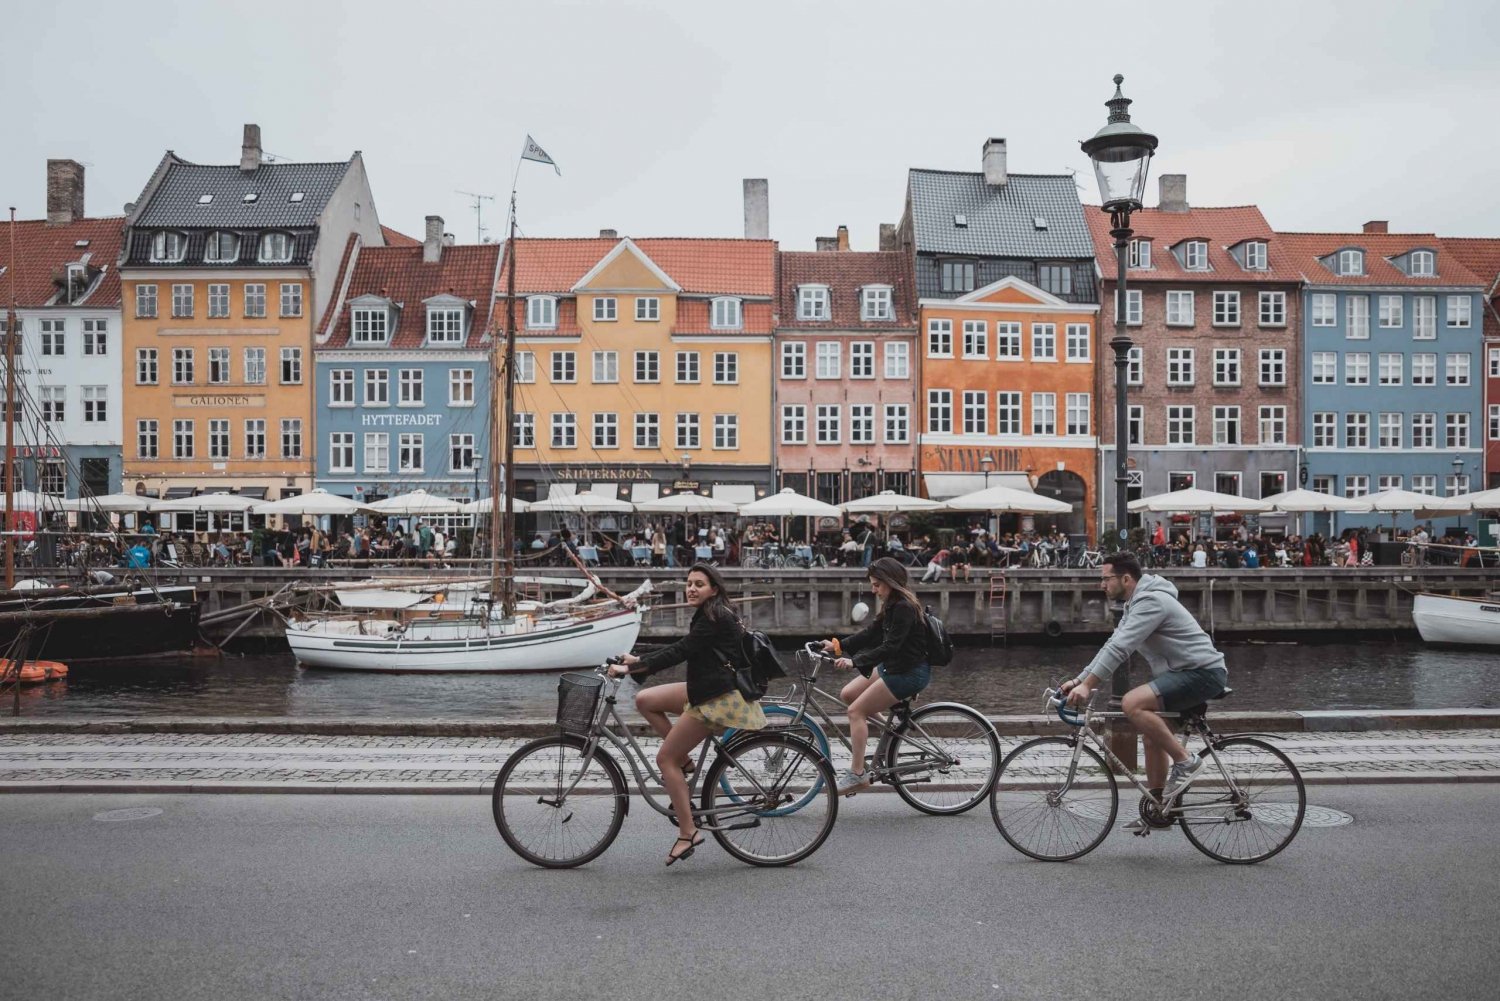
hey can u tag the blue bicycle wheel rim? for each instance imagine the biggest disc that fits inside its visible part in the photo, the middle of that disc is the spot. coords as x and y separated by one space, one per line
820 741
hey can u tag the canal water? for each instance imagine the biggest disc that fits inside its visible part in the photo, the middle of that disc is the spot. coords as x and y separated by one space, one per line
999 681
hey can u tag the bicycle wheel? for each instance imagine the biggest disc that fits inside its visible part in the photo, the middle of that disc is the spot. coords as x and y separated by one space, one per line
959 754
1046 809
545 823
1252 815
766 772
782 719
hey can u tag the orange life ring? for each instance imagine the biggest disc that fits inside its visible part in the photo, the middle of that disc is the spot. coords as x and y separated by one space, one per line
35 671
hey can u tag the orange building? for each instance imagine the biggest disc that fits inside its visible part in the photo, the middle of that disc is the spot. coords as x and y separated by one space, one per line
1007 375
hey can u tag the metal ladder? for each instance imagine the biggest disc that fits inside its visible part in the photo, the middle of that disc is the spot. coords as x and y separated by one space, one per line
999 626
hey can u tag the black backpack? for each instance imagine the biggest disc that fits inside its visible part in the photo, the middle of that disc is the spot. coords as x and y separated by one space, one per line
939 643
757 665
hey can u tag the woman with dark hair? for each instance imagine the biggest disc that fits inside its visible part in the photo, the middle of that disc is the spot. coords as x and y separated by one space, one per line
708 703
891 653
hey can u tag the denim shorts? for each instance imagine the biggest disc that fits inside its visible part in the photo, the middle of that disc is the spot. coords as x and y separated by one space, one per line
1180 690
908 684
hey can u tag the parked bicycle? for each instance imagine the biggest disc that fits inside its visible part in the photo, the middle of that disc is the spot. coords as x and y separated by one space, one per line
941 757
560 801
1089 559
1055 799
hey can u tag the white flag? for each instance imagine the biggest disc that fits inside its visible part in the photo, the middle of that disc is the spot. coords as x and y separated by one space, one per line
535 152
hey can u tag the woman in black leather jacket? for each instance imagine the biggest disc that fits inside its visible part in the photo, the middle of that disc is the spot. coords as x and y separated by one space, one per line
891 653
708 702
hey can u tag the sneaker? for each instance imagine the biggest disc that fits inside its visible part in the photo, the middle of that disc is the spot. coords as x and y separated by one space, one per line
1182 772
849 782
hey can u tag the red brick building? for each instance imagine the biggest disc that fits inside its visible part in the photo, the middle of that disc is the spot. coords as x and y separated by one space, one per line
1482 256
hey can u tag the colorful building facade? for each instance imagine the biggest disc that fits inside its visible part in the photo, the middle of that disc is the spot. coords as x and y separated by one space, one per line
1482 257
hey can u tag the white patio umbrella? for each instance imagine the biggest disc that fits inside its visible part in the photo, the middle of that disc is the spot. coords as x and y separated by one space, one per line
1007 500
216 502
1396 501
417 502
584 503
482 505
789 504
889 502
687 503
1310 501
1483 500
1193 500
111 503
314 502
27 500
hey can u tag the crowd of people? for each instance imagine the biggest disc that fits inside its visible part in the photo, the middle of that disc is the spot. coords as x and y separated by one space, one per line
1242 549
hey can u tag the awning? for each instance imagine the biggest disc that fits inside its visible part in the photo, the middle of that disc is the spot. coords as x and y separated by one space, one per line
605 489
259 493
734 493
945 486
556 490
175 492
642 492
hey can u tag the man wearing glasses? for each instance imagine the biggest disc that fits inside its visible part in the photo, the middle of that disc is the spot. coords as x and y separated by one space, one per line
1186 669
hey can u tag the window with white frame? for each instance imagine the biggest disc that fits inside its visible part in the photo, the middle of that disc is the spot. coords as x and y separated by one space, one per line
897 360
1273 309
648 431
1325 309
1323 484
1077 342
1007 341
1325 368
255 300
1494 422
1356 430
218 301
218 366
606 366
218 439
861 424
1357 368
525 366
1457 431
1424 317
182 366
812 302
410 449
445 326
541 312
145 302
956 276
1226 309
606 430
341 452
377 452
939 338
1273 366
793 424
1389 429
1140 254
410 388
291 438
1424 369
1392 368
1008 412
1357 485
1457 369
828 359
1226 366
939 411
377 387
793 360
1255 256
1135 366
726 368
1388 481
276 248
1392 312
1460 311
1424 483
291 366
370 326
606 308
147 439
1351 262
687 366
726 431
564 366
1181 480
145 367
1135 424
648 366
1134 308
182 439
168 247
1357 315
1181 425
1180 367
862 360
182 301
523 430
460 387
1325 429
95 404
976 412
1424 430
1180 309
341 387
291 299
1195 255
255 366
564 430
1494 369
976 339
1228 483
687 431
1077 413
1271 425
1226 425
725 314
897 424
875 303
1044 342
828 417
54 338
1455 484
647 308
1044 413
1422 264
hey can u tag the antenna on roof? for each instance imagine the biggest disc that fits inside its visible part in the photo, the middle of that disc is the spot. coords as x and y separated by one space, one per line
477 201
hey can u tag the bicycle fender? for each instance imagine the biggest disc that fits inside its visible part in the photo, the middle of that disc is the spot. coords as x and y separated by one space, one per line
926 706
744 735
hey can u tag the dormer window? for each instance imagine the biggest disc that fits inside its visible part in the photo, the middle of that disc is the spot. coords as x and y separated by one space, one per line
875 302
1195 255
1423 264
1255 256
276 247
221 248
445 325
812 302
1140 254
541 312
1351 262
168 247
77 281
726 314
370 325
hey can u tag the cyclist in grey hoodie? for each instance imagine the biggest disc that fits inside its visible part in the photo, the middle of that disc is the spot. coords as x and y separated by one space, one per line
1186 669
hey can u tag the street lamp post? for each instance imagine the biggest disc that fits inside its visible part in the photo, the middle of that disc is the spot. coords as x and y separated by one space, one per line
987 462
476 462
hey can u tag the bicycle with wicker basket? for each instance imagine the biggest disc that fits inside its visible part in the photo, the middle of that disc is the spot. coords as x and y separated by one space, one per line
561 800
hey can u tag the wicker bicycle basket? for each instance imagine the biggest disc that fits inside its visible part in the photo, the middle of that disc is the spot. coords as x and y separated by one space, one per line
577 702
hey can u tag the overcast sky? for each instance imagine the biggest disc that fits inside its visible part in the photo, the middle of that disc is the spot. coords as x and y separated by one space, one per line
1323 114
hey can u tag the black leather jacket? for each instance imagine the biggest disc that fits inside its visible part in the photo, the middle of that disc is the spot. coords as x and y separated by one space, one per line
709 648
897 639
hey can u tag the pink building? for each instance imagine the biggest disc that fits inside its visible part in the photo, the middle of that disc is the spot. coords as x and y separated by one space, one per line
846 373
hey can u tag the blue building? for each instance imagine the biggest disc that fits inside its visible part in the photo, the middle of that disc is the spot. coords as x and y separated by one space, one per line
403 388
1392 367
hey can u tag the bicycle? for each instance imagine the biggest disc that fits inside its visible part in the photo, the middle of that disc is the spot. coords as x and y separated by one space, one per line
1089 559
941 758
551 810
1055 799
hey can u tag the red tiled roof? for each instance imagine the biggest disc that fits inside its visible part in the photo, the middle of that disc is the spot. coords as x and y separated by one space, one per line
41 250
1481 256
845 273
704 266
399 274
395 239
1221 228
1306 249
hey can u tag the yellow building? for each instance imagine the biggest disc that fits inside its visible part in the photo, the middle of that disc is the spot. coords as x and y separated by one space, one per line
643 367
226 271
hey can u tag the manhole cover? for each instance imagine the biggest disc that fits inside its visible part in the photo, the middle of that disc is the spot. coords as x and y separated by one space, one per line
129 813
1322 816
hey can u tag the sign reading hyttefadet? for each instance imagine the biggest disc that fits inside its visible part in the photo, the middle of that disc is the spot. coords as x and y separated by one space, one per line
401 420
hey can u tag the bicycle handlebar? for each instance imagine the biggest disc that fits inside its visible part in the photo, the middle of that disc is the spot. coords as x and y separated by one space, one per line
1055 700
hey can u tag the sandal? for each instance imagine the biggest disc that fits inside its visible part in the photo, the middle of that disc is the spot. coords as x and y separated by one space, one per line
692 844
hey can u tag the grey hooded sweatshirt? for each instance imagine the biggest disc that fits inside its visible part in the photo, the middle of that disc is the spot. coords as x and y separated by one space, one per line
1156 626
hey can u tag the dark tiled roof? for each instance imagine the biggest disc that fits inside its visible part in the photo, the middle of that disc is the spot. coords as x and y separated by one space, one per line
1220 228
43 250
1306 250
138 251
1001 221
399 274
845 272
175 202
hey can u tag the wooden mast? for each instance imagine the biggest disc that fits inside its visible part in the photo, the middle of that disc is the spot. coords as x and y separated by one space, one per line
503 526
10 412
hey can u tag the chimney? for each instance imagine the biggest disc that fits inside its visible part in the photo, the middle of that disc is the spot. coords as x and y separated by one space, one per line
828 243
432 246
64 192
250 148
449 239
994 163
888 236
757 208
1173 188
1373 226
609 234
843 237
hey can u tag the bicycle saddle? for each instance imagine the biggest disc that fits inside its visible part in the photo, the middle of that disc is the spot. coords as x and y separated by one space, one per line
1201 709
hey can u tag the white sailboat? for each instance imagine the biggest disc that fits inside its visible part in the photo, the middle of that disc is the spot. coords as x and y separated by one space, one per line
1443 618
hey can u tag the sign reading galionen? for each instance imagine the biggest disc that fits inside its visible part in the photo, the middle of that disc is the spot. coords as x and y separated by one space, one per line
219 400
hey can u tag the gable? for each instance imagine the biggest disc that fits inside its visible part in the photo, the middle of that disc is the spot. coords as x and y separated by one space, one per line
1012 290
626 268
